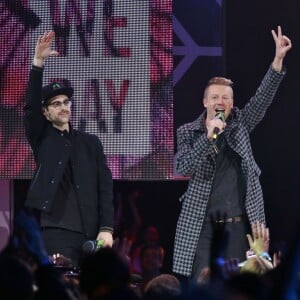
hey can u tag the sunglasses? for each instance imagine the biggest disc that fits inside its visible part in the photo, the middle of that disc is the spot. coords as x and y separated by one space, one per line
59 104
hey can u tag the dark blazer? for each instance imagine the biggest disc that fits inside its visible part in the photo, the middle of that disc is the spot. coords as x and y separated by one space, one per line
196 158
92 177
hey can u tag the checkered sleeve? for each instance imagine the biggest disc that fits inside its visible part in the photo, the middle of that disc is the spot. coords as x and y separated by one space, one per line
255 109
191 150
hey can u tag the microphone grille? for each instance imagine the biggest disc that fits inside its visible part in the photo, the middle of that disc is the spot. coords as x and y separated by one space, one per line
220 113
88 247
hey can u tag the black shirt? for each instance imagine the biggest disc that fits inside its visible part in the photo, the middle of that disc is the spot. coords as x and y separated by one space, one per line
228 187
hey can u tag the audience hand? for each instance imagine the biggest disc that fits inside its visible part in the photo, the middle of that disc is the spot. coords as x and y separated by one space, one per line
123 247
259 241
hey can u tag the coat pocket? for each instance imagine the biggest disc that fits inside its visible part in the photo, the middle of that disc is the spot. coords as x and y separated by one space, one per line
36 175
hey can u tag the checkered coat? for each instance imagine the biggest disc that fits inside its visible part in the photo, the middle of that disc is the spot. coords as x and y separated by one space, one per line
196 159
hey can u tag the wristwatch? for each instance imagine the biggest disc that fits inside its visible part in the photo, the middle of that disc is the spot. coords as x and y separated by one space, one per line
266 256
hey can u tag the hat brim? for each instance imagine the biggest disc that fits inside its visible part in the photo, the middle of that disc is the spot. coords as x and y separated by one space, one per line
62 91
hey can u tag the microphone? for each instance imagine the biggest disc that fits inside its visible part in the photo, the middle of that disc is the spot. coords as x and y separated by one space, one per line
92 246
135 278
220 114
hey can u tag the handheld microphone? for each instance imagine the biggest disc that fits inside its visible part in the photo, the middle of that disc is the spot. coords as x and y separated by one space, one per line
92 246
220 114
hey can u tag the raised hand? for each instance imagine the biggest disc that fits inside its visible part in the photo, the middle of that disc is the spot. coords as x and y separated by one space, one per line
122 247
260 241
283 44
43 48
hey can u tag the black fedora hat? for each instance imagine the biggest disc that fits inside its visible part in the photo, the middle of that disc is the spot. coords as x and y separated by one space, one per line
53 89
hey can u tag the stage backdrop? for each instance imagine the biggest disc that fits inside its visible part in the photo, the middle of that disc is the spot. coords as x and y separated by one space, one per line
118 57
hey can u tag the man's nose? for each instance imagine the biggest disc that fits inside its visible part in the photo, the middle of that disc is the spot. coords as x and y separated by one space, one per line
220 100
64 107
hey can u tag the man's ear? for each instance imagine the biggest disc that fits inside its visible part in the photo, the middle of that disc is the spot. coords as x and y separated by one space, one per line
205 102
45 112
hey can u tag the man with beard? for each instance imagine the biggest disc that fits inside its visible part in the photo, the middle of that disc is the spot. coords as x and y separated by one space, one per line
72 184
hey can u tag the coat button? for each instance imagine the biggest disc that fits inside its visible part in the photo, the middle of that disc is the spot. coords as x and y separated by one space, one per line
44 207
52 181
77 187
59 162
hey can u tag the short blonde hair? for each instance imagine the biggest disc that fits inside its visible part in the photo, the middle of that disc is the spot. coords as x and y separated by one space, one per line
218 81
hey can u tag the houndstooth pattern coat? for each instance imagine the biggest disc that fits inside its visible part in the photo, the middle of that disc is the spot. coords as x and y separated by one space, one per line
196 159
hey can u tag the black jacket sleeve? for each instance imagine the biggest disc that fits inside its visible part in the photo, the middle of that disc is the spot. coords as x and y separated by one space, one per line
34 119
105 190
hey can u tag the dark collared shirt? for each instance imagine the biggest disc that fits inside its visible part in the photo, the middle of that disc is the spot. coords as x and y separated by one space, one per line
228 188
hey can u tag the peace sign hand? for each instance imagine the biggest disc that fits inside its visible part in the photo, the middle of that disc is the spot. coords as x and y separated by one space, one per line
283 44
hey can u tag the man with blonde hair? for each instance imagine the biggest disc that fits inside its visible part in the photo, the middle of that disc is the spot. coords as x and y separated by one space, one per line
215 152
